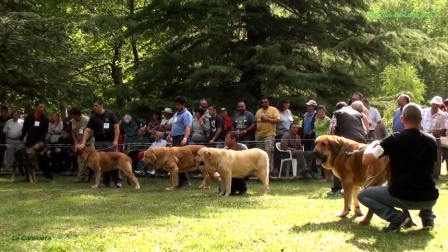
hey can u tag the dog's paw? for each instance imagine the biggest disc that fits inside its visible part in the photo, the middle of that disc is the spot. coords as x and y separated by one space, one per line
137 187
94 186
364 222
343 214
169 189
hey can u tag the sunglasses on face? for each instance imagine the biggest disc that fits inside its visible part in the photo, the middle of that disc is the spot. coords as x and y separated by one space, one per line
264 102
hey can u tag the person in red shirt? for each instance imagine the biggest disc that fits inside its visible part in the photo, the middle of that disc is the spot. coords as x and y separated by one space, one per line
226 121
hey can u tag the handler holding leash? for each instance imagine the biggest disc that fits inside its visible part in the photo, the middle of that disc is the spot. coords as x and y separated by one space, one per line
412 154
104 126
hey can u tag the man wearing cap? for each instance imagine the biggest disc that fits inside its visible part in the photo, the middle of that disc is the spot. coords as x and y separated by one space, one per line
434 122
226 121
308 125
397 125
167 122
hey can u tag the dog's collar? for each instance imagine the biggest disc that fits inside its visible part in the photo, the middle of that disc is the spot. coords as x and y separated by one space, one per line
350 153
87 158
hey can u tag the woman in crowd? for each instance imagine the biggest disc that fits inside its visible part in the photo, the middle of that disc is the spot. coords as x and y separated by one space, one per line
55 128
153 125
321 128
200 129
283 127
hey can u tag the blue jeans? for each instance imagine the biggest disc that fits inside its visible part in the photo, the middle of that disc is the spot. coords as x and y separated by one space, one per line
378 199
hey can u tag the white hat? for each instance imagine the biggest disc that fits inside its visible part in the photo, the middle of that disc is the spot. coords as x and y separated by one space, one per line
436 100
311 102
167 110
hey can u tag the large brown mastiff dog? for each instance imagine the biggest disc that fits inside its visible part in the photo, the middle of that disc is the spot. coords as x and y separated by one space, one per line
235 164
176 160
107 161
344 157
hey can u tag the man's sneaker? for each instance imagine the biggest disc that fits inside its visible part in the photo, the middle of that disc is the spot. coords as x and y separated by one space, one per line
104 185
139 172
428 224
118 185
307 175
337 193
407 223
152 172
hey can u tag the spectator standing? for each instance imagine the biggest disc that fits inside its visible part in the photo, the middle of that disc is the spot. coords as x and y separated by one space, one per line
266 119
12 132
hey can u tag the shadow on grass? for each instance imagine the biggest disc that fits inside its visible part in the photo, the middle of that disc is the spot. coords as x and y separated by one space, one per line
371 238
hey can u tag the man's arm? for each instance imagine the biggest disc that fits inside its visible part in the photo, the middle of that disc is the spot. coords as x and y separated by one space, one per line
116 132
24 128
187 132
372 153
87 133
332 126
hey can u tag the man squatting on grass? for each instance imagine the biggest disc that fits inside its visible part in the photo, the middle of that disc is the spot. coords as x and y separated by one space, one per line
239 186
412 154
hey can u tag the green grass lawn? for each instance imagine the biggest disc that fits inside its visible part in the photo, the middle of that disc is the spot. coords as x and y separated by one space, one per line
296 216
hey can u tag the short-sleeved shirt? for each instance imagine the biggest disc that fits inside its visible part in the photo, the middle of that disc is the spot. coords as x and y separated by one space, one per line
397 125
180 122
412 154
266 128
13 128
240 147
78 128
103 126
215 124
375 117
431 123
321 127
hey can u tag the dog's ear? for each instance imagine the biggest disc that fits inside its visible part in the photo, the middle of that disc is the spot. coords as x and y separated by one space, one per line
334 145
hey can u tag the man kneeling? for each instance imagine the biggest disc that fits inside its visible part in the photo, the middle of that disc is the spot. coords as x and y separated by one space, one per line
412 154
239 186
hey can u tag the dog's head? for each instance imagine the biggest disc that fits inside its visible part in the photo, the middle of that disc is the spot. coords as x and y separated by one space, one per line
154 157
40 148
328 147
204 157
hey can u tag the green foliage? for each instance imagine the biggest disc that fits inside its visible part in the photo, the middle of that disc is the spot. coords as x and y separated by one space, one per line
402 77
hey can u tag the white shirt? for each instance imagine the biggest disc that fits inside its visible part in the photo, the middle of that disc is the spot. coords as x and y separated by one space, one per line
431 123
375 117
13 129
167 122
160 143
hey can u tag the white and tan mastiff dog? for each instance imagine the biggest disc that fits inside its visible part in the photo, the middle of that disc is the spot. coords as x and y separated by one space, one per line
235 164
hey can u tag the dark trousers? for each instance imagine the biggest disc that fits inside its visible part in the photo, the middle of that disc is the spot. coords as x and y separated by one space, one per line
337 184
133 154
60 162
108 176
2 148
44 165
308 145
177 142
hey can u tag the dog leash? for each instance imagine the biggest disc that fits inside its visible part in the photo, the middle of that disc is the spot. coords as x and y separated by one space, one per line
373 177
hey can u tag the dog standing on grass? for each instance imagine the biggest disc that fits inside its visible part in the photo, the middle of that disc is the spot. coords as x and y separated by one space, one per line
107 161
27 158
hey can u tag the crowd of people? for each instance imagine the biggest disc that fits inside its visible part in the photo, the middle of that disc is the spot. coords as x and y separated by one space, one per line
212 126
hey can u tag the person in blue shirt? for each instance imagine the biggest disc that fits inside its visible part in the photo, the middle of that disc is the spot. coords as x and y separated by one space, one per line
397 125
180 132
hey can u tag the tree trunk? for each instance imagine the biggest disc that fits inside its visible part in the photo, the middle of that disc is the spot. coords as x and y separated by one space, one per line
133 40
256 35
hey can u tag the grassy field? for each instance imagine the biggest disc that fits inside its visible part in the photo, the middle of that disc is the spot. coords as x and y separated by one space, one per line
296 216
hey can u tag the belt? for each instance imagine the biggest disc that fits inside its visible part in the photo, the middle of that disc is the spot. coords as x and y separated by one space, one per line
14 138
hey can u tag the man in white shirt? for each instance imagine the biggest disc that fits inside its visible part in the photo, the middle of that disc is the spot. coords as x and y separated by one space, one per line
375 121
167 122
434 122
13 131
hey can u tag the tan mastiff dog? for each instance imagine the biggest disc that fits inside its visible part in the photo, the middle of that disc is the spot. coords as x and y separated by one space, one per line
176 160
235 164
107 161
344 157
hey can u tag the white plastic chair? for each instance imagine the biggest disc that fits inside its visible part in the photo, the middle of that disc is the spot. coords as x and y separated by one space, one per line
288 161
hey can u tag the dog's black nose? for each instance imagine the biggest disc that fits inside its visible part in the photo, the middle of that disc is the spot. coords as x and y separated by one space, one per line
201 163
